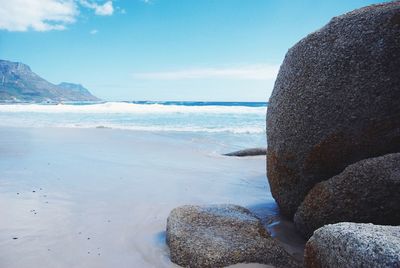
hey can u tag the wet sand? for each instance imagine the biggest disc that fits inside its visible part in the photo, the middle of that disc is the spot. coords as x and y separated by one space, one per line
100 197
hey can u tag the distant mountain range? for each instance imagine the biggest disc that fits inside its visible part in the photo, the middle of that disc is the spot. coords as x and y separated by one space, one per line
19 84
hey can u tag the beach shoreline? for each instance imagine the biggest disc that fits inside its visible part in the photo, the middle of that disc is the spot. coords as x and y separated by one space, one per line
100 197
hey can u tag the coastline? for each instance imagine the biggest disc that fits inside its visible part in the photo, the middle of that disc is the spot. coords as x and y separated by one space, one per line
101 196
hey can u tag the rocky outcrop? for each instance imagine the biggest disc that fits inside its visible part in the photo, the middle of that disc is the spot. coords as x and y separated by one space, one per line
221 235
19 84
76 91
335 102
353 245
367 191
248 152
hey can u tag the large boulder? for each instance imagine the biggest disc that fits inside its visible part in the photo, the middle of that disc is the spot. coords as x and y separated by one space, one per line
335 102
353 245
367 191
221 235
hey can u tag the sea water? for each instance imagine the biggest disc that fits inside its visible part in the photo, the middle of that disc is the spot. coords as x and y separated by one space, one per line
234 125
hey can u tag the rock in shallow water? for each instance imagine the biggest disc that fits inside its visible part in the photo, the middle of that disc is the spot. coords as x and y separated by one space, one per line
335 102
249 152
367 191
353 245
221 235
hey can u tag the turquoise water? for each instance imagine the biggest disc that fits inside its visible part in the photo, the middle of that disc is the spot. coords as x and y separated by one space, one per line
241 122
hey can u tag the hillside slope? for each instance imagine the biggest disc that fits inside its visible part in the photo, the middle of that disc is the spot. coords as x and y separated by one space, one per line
19 84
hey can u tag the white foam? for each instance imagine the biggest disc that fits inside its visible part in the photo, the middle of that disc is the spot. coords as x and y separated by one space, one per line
130 108
150 128
234 130
140 117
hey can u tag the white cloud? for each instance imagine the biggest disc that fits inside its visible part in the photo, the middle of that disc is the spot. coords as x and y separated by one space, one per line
38 15
94 31
249 72
46 15
105 9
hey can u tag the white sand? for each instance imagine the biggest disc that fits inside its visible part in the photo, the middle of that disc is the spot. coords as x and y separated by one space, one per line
102 196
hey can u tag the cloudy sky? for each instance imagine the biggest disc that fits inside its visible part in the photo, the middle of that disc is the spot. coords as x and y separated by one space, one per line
217 50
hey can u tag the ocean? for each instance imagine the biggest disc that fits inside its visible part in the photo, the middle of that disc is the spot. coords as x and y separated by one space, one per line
235 125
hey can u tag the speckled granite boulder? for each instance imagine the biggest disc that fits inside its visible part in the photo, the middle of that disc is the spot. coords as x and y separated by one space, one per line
367 191
353 245
221 235
335 102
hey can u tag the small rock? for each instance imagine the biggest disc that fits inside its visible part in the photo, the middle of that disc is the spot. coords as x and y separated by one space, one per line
249 152
221 235
353 245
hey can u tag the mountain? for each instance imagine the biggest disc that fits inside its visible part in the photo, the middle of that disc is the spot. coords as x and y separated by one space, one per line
77 91
19 84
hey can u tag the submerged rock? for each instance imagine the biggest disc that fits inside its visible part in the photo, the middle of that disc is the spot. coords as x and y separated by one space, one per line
249 152
335 102
221 235
353 245
367 191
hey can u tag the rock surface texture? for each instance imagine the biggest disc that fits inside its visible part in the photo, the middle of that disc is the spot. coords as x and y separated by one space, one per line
221 235
335 102
367 191
353 245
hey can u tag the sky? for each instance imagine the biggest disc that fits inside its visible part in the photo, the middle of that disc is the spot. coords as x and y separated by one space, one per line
194 50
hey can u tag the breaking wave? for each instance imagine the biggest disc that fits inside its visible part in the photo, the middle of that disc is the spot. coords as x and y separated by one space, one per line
134 108
171 117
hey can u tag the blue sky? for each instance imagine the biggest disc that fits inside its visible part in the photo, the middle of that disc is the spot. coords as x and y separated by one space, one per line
216 50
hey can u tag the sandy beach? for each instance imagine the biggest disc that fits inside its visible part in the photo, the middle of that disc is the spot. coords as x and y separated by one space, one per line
100 197
201 134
